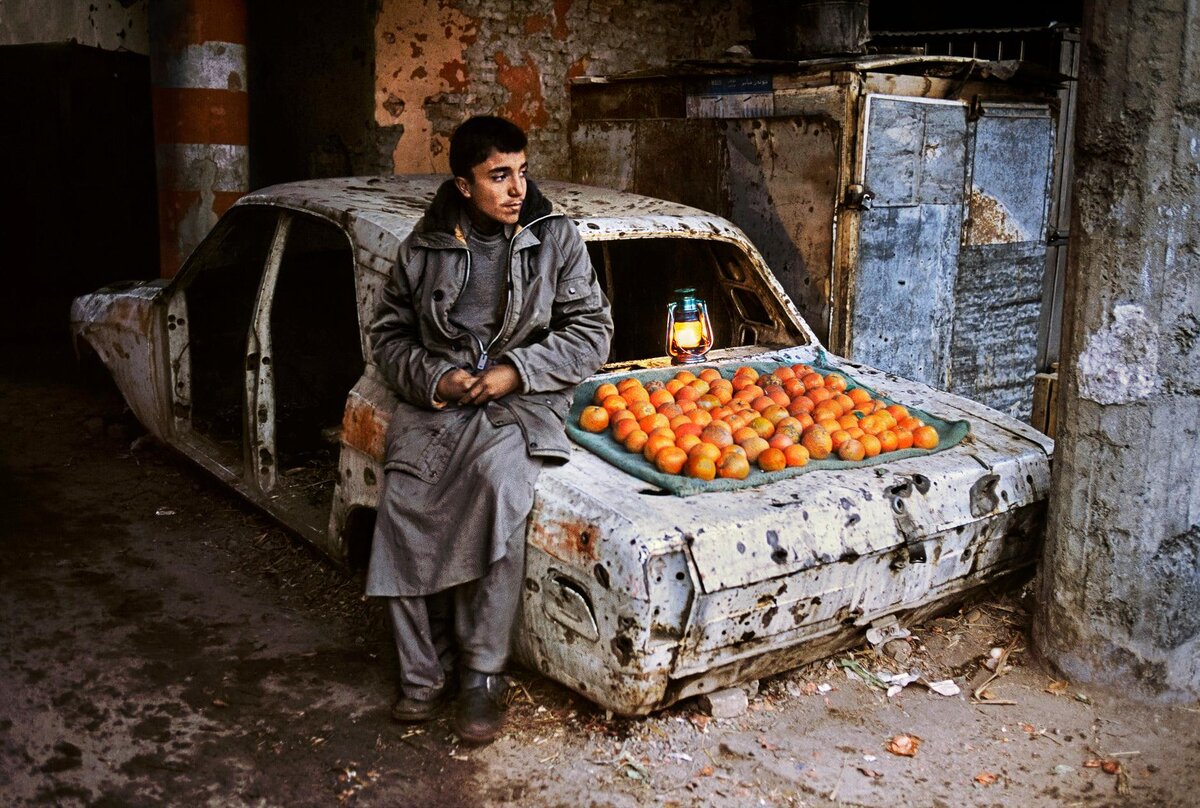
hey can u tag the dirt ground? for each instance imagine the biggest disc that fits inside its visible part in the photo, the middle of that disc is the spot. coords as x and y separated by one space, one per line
166 644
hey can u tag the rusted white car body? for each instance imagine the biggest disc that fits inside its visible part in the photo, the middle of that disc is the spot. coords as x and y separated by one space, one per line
634 598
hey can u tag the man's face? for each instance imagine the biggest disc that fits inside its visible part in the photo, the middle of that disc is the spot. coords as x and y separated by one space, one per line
497 187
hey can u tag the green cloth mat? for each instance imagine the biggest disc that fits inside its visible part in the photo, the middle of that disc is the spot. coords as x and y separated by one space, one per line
950 433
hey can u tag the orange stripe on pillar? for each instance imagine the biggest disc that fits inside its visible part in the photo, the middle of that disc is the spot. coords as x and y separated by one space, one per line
194 115
216 21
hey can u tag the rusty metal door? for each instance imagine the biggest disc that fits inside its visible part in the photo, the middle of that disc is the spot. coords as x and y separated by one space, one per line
1002 256
901 301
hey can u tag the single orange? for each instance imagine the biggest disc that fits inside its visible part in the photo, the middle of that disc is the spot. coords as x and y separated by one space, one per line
925 437
703 449
623 428
851 450
686 393
702 468
699 385
733 466
887 441
871 445
614 403
813 381
772 460
594 419
904 438
816 440
632 394
670 460
820 394
796 456
835 382
708 402
848 420
844 401
801 370
635 441
740 382
859 395
742 433
785 373
793 387
708 374
670 409
746 370
685 376
718 434
781 441
687 441
653 421
604 391
910 422
673 386
898 411
754 447
800 406
660 397
699 416
628 382
762 426
685 426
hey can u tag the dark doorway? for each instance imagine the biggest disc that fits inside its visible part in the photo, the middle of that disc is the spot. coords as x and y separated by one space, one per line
77 156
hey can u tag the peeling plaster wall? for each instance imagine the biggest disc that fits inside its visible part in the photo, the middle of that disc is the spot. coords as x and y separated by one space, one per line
439 61
106 24
1120 581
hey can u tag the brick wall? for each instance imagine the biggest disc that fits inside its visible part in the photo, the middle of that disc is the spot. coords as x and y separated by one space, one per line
439 61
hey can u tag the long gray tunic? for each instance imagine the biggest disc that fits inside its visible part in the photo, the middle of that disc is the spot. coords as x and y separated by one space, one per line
450 531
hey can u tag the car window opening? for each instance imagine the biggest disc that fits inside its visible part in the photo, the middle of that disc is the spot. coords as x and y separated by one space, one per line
220 284
317 356
640 275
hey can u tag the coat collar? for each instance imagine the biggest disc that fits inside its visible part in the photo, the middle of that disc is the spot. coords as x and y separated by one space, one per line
439 227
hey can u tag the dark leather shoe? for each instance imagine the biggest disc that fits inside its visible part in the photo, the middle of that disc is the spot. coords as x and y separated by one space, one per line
479 713
408 710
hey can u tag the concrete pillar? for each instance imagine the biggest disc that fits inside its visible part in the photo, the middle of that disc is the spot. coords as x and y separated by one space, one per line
1120 579
201 118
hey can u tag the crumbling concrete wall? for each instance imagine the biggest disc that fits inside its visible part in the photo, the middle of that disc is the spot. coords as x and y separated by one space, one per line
107 24
439 61
1120 579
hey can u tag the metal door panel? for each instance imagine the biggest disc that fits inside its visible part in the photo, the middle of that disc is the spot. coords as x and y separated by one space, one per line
902 300
904 292
1010 176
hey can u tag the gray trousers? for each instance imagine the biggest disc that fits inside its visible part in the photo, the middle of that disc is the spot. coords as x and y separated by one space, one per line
473 621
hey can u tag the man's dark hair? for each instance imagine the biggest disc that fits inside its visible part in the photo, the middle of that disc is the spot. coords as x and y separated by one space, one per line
474 139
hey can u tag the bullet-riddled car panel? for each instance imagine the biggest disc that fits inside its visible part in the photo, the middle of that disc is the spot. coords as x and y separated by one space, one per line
254 361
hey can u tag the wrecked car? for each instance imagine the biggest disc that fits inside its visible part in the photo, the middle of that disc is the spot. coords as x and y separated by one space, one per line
254 362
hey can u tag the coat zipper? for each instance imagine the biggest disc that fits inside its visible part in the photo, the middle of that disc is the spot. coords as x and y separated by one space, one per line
483 356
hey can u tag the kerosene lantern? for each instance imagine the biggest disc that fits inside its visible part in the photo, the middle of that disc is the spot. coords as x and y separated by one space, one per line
689 332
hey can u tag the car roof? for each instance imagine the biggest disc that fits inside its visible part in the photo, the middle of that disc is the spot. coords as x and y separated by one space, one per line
393 204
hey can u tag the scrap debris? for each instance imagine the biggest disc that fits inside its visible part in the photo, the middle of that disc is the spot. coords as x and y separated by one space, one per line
903 745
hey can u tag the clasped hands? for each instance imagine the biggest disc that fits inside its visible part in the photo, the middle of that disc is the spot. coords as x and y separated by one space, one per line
465 388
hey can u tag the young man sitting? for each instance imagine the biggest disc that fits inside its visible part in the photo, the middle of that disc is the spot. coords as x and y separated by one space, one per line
492 315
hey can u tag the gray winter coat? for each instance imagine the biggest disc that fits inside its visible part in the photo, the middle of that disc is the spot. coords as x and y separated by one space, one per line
555 330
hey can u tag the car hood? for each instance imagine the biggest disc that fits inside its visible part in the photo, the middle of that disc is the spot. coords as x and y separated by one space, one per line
821 517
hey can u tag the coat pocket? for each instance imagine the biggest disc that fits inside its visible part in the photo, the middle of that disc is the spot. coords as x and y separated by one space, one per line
419 442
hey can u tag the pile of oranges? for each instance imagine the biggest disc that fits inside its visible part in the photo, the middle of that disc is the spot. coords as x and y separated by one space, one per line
706 426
